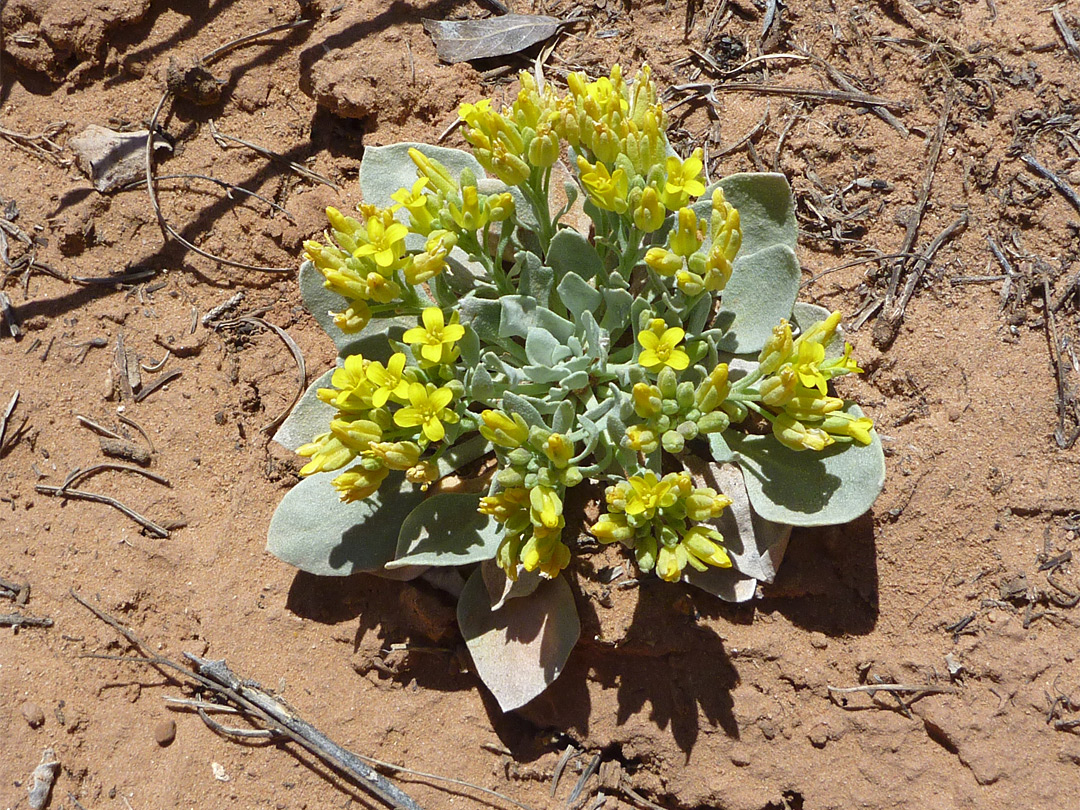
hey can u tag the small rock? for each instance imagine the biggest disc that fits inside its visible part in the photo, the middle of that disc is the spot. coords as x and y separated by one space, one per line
219 772
818 641
165 732
32 713
819 735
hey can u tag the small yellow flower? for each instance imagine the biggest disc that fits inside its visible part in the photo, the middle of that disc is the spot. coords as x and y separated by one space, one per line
810 357
641 439
433 334
663 261
471 216
359 483
545 507
606 190
647 494
670 562
649 214
326 453
396 455
705 503
685 238
861 428
386 243
424 473
416 202
703 546
793 434
427 410
436 173
504 505
545 551
683 180
612 529
504 430
390 381
660 347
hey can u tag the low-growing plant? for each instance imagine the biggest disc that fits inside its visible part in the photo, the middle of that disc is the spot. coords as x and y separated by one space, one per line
635 340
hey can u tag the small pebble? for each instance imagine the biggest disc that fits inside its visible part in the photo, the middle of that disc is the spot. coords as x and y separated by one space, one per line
33 714
165 732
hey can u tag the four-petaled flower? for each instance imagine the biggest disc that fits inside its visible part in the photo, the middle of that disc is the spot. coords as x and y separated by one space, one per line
660 347
647 494
434 334
390 381
683 181
386 243
427 410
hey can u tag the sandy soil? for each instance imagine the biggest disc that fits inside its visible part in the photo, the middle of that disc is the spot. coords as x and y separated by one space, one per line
698 703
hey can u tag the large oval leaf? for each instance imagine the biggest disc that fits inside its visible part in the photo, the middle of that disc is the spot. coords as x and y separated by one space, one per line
385 169
446 529
766 209
805 488
314 531
762 290
521 648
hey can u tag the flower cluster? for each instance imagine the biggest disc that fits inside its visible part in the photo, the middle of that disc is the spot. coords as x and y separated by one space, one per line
388 415
650 514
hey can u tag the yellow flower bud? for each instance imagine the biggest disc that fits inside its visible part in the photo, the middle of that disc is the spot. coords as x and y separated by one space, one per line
795 435
649 214
663 261
503 430
685 239
359 483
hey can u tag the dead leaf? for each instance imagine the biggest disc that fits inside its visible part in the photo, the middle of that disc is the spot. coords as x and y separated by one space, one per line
112 159
463 40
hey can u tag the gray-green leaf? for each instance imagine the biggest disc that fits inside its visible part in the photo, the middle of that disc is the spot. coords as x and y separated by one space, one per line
445 530
521 648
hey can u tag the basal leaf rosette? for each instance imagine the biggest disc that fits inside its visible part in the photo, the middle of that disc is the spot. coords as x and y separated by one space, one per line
472 319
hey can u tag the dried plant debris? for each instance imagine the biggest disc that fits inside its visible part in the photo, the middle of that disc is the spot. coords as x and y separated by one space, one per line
465 40
112 159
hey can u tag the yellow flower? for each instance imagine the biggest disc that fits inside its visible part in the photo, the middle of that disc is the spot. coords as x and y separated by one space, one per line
685 239
424 266
359 483
670 562
641 439
545 507
663 261
423 473
386 243
806 366
396 455
503 506
427 410
705 503
713 390
606 190
793 434
683 180
648 401
559 450
611 529
436 173
433 334
545 551
861 428
326 453
777 349
382 289
389 381
356 434
471 216
647 494
416 202
661 347
703 546
649 213
503 430
354 389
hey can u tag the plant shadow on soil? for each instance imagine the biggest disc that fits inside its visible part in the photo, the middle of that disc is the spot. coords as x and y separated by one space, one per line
671 657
